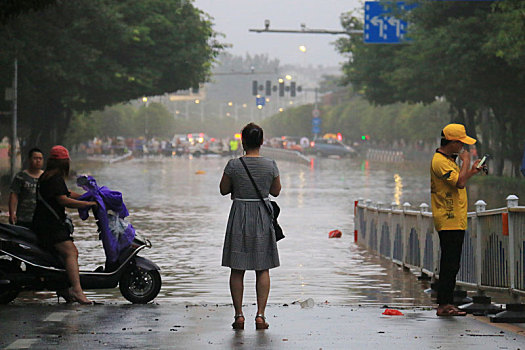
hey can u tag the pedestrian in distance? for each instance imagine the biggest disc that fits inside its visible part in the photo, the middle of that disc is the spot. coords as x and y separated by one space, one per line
249 243
22 199
53 197
449 208
234 147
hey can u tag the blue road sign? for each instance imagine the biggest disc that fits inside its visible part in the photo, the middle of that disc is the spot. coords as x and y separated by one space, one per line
260 101
316 121
316 129
381 27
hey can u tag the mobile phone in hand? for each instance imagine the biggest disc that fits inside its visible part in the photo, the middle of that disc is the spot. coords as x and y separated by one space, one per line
483 161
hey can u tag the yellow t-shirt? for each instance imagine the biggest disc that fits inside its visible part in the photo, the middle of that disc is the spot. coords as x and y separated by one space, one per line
449 203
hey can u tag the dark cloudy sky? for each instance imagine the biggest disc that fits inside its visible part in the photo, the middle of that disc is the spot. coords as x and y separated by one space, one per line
234 17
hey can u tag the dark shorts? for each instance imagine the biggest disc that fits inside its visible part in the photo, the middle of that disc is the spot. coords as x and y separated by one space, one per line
49 236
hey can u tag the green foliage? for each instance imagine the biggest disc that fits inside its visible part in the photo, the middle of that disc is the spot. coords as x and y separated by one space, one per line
292 122
151 121
386 125
470 53
156 119
122 120
508 39
82 55
11 8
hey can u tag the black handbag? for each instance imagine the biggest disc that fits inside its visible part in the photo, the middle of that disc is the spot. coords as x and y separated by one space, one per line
67 223
276 210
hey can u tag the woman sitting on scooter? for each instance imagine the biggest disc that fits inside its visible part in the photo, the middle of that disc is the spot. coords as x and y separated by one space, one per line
48 220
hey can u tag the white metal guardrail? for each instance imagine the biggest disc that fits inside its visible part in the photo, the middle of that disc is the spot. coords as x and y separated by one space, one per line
493 256
385 155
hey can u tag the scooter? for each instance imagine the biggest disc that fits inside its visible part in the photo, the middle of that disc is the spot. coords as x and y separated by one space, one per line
26 266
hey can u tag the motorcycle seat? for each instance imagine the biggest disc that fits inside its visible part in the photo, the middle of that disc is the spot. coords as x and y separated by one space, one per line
19 232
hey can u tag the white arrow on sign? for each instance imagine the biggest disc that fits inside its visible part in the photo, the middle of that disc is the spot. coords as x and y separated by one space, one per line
397 23
376 21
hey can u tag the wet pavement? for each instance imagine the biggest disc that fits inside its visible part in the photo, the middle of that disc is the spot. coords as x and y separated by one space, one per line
175 203
177 326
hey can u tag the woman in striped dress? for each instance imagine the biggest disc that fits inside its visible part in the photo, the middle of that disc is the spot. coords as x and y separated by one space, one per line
250 243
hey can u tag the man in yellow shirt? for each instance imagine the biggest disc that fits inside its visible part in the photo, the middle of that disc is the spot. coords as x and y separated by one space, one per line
449 208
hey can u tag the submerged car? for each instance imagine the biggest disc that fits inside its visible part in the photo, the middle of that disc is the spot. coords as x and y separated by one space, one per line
331 147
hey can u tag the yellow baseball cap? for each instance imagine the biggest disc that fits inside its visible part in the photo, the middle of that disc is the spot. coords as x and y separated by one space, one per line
456 132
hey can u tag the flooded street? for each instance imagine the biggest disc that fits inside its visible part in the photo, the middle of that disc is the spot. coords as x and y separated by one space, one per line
176 204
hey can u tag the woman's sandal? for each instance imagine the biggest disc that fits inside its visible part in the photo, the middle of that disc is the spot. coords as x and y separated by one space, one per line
450 311
238 324
64 293
263 324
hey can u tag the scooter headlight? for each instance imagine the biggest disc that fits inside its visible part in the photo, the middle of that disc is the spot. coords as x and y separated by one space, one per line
138 241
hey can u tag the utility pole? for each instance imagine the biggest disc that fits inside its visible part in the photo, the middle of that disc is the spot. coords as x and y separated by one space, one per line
15 112
316 90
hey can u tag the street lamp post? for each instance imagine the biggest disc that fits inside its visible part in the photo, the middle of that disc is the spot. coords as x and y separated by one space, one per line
199 102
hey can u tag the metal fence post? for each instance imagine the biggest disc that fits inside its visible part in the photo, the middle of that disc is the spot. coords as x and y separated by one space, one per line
515 312
406 207
512 202
368 204
423 208
480 207
357 222
392 229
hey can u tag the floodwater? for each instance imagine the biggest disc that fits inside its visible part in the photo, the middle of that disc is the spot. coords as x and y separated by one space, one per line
175 203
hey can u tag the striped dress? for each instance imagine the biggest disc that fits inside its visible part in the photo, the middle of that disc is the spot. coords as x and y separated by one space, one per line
250 243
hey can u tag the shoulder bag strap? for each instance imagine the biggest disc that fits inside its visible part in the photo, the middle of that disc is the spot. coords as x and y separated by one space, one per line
255 186
40 198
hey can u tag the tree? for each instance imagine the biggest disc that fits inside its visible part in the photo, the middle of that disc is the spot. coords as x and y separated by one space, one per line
451 56
292 122
508 37
11 8
156 120
80 55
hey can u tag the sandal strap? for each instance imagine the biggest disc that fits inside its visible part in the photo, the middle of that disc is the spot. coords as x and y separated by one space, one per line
237 316
260 316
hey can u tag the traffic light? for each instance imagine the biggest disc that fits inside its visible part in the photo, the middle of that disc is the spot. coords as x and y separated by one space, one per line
254 88
281 88
292 89
268 88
